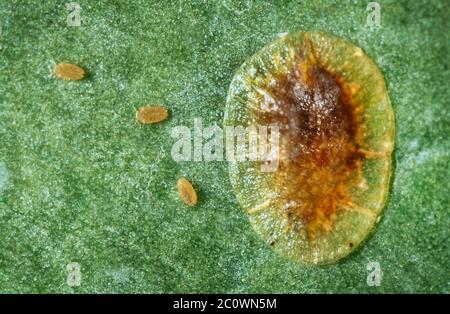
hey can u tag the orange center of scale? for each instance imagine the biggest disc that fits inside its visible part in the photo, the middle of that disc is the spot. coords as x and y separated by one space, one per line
319 129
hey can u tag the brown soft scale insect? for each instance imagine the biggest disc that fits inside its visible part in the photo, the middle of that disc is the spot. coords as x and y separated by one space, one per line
151 114
336 126
67 71
186 192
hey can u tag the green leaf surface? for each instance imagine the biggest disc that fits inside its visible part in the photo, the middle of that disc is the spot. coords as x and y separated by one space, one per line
81 181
